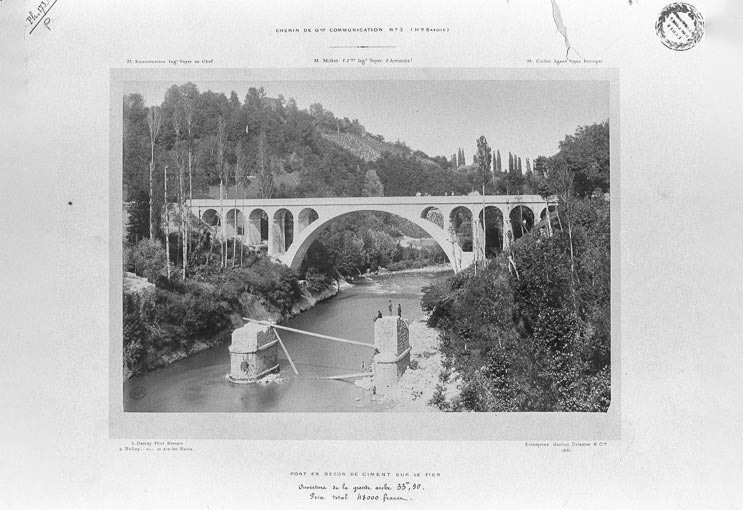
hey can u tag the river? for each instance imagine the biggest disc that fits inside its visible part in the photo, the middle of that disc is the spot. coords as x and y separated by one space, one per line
198 383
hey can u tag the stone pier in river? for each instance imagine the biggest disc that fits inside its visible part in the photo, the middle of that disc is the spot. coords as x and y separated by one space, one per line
392 342
253 353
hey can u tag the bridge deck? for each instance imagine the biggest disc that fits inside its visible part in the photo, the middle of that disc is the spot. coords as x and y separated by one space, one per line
371 201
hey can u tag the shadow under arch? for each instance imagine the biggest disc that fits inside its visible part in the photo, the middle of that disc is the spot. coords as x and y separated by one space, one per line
522 220
211 217
283 231
297 251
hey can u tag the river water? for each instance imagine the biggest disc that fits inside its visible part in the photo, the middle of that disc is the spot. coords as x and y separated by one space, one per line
198 383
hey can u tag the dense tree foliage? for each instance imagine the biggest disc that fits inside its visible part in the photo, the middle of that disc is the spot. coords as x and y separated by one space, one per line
532 331
402 175
585 155
172 316
533 335
367 242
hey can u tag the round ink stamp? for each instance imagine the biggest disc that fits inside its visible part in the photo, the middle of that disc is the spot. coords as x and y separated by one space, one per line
137 393
680 26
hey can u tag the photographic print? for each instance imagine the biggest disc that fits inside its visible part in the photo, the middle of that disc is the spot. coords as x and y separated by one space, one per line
373 246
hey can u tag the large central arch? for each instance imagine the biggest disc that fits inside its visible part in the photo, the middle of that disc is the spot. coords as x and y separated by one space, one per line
297 251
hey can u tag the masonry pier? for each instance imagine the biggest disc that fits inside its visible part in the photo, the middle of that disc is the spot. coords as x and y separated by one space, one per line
391 339
253 353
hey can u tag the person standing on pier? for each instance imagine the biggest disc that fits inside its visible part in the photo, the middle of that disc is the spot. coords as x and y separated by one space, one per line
390 307
399 310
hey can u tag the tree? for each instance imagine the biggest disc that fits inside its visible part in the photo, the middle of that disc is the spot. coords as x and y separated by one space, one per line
498 164
510 163
153 122
460 157
484 160
188 111
265 174
167 220
180 159
586 155
139 222
136 147
222 171
372 185
317 112
540 166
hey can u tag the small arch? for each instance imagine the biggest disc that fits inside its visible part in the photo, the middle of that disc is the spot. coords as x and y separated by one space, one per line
553 214
257 226
493 230
522 220
211 218
434 215
306 217
235 222
283 230
461 227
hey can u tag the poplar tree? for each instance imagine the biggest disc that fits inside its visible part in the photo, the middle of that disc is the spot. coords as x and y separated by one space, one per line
180 158
153 121
265 176
221 170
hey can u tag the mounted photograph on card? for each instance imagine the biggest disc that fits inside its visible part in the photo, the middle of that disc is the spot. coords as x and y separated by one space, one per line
353 250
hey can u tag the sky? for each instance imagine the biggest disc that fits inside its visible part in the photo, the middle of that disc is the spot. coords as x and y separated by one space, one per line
528 118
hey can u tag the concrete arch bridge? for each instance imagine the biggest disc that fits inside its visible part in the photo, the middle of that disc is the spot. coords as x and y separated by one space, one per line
290 225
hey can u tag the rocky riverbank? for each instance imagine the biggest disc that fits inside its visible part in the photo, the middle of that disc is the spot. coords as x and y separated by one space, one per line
437 268
253 308
417 386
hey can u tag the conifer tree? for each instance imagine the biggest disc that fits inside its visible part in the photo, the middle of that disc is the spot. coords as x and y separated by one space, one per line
498 164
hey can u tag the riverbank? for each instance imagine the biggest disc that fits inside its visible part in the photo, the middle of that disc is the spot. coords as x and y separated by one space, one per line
437 268
252 307
417 386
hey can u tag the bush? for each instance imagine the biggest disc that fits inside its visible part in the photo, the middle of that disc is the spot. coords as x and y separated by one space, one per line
275 284
317 281
133 332
148 259
439 399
